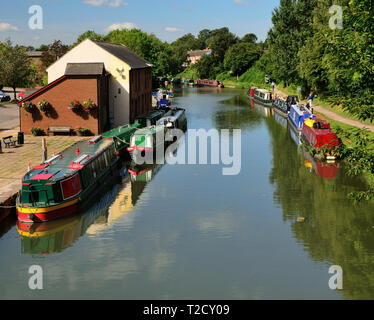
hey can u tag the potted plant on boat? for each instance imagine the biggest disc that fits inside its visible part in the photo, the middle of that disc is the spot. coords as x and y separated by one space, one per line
75 105
89 105
44 106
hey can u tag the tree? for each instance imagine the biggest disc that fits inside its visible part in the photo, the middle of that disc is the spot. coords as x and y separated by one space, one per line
249 38
181 46
220 41
89 34
241 56
55 51
208 67
14 66
203 36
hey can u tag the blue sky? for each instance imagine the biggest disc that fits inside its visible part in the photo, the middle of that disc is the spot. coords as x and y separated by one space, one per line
167 19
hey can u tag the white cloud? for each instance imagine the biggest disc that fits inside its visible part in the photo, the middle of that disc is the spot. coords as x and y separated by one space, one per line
120 26
7 27
242 3
173 29
107 3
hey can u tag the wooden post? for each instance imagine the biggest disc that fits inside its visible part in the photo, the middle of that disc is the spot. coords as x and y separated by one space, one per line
45 151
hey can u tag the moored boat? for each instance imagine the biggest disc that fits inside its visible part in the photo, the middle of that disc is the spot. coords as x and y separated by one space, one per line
174 119
261 95
150 119
60 185
145 142
298 114
121 136
318 134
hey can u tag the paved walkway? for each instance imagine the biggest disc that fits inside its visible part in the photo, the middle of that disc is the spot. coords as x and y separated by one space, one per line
9 116
332 115
14 161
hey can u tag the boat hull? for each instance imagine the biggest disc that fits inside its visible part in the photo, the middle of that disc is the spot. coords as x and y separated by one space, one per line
268 103
32 215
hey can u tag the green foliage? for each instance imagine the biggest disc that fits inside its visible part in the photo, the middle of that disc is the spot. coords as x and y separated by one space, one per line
15 68
89 34
241 57
181 46
249 38
55 51
209 66
37 132
220 41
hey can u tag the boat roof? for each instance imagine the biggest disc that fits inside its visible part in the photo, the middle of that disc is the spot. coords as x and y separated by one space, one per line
300 110
121 131
149 130
172 115
57 167
263 90
150 115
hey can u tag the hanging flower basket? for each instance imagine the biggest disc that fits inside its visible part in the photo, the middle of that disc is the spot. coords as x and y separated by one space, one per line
75 105
89 105
44 106
28 106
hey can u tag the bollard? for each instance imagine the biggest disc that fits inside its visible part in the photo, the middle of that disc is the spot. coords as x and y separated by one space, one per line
1 150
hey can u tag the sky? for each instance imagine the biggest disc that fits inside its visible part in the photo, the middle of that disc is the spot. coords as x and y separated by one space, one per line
65 20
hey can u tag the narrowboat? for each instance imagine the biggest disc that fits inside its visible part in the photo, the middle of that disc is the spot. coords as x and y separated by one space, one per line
144 143
63 183
174 119
318 134
149 119
280 107
298 114
210 83
283 107
261 95
121 136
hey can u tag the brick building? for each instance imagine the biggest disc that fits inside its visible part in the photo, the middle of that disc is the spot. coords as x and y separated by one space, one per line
109 74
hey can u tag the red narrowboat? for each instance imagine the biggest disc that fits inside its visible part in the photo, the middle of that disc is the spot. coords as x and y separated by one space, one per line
318 134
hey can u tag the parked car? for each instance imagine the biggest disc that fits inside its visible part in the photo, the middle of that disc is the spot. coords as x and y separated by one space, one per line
4 97
21 95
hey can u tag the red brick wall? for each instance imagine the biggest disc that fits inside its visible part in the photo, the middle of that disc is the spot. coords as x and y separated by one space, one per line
60 97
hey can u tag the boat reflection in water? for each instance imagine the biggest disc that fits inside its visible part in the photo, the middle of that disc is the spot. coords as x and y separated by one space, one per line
55 236
326 170
265 111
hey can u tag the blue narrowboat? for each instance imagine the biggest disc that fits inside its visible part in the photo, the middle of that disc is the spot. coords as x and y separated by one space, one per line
298 114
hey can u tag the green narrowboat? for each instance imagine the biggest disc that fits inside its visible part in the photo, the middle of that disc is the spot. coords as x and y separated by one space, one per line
60 185
121 136
149 119
144 143
263 96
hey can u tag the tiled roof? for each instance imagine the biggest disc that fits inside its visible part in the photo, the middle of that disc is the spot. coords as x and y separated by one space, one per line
88 69
125 54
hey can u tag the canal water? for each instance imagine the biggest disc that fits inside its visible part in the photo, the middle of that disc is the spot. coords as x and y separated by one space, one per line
189 232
